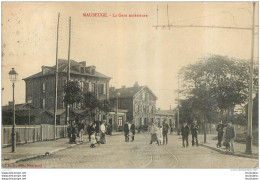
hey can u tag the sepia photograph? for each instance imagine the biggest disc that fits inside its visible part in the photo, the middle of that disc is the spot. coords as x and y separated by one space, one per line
129 85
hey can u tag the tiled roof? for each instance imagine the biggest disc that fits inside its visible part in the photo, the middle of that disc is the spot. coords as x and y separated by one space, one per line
63 65
124 92
17 107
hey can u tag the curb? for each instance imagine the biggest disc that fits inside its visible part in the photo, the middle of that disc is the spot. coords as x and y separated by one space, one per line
227 153
4 162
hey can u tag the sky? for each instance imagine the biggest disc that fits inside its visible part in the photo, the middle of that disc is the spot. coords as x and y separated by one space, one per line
128 49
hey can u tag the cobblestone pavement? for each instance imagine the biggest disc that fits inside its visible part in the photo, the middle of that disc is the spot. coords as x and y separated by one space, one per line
140 154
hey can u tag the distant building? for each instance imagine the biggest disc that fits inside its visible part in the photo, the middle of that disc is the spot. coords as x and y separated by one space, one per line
139 101
26 114
117 119
41 86
168 115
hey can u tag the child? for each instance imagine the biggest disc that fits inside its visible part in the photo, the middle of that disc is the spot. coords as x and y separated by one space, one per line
93 140
98 138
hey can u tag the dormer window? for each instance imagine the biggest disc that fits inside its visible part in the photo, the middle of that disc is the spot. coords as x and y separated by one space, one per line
82 69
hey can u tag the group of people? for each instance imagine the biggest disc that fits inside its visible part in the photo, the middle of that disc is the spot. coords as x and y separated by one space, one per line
96 132
129 131
159 134
75 130
185 130
229 135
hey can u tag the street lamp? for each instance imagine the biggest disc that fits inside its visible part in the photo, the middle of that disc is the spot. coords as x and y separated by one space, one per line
13 77
29 101
118 94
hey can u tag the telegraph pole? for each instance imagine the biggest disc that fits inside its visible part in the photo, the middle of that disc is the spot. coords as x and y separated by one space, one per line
178 115
68 75
250 103
56 79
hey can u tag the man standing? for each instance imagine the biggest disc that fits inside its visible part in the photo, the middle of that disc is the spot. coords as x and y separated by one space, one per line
89 130
165 132
132 129
74 132
126 130
194 132
185 134
220 129
230 136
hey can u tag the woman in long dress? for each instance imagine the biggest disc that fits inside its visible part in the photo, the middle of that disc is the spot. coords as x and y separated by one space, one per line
154 130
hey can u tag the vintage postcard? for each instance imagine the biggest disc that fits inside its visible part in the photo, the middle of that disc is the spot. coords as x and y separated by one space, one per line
130 85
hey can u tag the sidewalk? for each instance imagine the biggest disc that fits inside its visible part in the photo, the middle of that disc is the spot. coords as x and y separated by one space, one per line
238 147
37 149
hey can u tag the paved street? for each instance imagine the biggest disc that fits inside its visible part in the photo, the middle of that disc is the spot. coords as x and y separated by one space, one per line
140 154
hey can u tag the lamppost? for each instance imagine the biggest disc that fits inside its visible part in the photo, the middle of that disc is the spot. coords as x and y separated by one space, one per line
29 101
178 115
13 77
118 94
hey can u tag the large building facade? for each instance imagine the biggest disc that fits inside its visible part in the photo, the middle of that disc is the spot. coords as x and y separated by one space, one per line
40 87
139 101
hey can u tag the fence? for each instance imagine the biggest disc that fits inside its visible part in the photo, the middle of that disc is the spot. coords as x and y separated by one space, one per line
32 133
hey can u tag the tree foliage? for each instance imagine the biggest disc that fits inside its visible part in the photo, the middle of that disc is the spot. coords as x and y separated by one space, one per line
73 93
216 84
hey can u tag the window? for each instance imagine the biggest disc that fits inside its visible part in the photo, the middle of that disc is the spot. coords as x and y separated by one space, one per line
101 89
120 121
43 87
139 108
143 96
93 89
152 109
144 107
82 69
81 85
43 103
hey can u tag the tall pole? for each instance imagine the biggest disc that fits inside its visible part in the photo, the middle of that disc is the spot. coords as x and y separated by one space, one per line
117 112
68 75
250 103
56 79
13 128
29 115
178 115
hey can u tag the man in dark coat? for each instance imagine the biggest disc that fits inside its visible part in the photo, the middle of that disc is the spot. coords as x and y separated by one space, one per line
220 129
165 132
194 132
74 132
89 130
69 131
185 134
126 131
230 136
132 129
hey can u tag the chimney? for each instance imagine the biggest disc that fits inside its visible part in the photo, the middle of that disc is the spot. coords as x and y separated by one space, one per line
136 84
112 88
43 70
123 87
